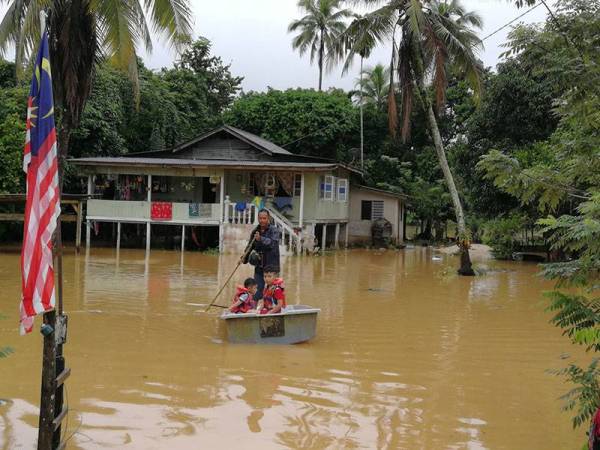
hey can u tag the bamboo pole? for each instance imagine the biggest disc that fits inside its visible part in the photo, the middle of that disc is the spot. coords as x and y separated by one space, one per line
239 263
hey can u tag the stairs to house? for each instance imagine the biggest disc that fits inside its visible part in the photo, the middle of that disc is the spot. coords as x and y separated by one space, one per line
290 237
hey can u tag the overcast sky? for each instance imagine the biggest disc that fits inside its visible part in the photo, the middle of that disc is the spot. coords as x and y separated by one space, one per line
251 35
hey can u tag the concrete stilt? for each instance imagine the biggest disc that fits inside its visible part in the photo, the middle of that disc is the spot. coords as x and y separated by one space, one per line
148 231
118 236
182 238
346 235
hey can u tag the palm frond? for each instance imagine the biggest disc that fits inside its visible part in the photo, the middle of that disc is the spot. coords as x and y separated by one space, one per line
365 32
171 18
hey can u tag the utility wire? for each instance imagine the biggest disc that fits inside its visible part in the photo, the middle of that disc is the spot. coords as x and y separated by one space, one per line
564 34
511 22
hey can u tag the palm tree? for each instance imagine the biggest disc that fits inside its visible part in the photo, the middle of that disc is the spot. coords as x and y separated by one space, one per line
360 38
84 32
320 31
373 86
434 36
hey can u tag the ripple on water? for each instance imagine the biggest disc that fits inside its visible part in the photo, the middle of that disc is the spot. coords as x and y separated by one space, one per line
423 363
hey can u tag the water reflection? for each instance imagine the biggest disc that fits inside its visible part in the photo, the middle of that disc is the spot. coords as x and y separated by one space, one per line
407 355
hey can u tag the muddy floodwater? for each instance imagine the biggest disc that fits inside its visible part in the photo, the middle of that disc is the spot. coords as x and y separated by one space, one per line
407 356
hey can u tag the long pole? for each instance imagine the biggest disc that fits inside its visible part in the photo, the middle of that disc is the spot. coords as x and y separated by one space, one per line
53 362
239 263
47 404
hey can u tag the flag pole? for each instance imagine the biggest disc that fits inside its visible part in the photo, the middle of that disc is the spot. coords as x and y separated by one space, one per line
54 373
47 412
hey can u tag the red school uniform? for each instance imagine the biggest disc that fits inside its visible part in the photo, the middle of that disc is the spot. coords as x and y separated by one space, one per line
273 295
246 298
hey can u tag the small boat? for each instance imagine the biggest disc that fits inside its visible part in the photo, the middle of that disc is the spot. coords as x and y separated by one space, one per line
297 323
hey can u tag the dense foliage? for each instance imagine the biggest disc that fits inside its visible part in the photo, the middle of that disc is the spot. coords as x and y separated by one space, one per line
303 120
560 176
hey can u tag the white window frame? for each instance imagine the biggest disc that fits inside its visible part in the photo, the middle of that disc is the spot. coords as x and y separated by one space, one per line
375 204
324 182
342 183
297 189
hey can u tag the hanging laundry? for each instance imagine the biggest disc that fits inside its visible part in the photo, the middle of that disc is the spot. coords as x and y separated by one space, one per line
259 202
240 206
194 209
161 211
283 202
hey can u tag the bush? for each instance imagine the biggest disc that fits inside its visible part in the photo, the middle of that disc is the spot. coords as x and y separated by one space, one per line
503 235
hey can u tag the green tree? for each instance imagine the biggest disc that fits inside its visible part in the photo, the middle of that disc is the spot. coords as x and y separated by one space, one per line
373 86
435 36
7 74
203 88
564 184
100 131
305 121
320 31
12 137
80 33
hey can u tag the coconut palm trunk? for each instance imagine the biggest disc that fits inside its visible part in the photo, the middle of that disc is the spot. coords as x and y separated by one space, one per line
321 57
466 267
362 137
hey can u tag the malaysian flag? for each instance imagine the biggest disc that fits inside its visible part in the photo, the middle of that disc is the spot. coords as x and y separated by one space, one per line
42 208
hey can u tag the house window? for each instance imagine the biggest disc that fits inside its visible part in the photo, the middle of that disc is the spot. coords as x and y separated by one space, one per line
371 209
342 190
297 184
326 189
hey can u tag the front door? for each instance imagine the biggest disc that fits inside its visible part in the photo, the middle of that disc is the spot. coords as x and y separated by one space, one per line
209 191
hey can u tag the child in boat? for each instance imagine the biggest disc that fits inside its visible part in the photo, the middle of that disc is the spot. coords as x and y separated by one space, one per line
243 301
273 300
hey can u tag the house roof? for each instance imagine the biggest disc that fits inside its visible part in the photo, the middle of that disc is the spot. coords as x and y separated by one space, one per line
188 154
200 163
252 139
383 192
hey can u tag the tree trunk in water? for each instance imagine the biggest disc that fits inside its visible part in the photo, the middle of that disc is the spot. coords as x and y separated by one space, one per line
466 267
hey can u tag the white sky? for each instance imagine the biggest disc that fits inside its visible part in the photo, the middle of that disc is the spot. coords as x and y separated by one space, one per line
252 36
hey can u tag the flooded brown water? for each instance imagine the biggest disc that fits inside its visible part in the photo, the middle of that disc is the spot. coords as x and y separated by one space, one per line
407 356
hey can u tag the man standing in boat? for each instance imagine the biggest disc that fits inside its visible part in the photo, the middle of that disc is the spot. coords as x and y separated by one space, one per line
265 250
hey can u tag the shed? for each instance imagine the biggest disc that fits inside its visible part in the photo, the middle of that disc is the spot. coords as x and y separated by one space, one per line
369 204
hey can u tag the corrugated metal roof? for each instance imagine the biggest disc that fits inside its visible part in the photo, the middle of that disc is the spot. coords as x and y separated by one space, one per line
176 162
382 191
256 141
267 145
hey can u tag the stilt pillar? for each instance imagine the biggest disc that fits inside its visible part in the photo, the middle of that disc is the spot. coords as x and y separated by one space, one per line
182 238
148 231
346 235
79 223
88 223
118 236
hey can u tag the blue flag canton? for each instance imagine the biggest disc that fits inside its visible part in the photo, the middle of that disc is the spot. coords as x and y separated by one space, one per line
42 101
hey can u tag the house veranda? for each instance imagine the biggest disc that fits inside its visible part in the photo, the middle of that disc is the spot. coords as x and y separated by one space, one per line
215 184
